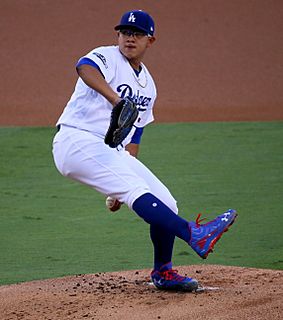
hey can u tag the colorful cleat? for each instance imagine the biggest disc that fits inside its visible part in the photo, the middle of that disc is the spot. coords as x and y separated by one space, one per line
205 236
169 279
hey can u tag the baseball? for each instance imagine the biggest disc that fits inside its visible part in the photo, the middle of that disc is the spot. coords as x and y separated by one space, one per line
113 204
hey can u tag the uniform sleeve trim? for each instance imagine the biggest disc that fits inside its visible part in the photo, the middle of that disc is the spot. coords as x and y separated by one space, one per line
90 63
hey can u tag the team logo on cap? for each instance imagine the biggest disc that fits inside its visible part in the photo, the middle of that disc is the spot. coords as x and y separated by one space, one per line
132 18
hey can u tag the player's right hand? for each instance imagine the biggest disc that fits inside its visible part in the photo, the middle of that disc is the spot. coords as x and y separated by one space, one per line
113 204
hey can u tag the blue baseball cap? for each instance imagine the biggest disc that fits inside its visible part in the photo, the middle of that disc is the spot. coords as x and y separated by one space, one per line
137 19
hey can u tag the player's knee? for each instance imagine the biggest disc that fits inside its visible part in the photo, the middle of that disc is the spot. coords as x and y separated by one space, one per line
169 201
172 204
133 195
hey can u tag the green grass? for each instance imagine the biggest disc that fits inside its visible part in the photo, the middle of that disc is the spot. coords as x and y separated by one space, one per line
51 226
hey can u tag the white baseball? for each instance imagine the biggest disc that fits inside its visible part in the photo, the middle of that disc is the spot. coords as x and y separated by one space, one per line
110 202
113 204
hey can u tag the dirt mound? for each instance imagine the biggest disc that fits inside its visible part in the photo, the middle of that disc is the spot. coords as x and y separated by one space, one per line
230 293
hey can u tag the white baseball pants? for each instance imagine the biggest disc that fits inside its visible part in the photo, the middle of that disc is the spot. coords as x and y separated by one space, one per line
84 157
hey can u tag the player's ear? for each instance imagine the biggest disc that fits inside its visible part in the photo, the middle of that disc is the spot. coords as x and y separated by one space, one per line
150 41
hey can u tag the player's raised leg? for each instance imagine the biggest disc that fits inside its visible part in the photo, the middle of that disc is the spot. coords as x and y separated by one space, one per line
201 237
163 240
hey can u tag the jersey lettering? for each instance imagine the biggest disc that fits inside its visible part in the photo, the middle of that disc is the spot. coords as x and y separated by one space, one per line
102 58
141 101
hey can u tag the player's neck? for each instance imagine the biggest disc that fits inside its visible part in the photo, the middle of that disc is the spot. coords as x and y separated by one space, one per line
136 64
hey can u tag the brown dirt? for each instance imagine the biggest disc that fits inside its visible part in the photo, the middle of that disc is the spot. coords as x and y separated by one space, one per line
213 61
230 293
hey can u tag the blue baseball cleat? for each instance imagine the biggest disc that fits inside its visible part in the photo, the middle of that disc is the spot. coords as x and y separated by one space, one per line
205 236
169 279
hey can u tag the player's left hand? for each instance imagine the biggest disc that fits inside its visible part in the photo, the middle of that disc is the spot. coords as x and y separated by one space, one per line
113 204
123 116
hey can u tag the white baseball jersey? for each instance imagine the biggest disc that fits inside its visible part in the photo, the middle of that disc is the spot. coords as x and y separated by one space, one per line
78 148
90 111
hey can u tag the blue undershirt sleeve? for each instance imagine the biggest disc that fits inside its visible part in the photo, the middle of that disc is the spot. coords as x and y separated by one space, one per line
136 138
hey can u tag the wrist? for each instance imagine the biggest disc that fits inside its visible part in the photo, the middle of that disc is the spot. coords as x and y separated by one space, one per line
114 100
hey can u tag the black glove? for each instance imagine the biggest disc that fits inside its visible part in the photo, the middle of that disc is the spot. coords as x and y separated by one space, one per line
123 116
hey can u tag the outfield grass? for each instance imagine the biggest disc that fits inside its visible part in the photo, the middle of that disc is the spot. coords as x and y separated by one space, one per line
51 226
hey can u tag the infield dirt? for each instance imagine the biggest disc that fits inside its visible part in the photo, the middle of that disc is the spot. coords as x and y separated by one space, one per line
231 293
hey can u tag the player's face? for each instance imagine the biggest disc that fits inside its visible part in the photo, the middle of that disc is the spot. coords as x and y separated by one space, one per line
133 44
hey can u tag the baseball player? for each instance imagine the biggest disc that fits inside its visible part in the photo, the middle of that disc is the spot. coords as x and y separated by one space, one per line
98 139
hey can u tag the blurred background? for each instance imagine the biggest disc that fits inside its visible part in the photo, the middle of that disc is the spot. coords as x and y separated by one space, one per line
213 60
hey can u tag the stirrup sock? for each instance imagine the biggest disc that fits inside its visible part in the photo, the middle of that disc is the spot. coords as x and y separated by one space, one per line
163 243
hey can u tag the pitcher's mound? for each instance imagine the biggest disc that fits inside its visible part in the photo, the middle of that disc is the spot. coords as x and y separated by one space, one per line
228 293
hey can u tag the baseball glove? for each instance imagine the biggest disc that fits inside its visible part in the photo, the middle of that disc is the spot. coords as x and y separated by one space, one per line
123 116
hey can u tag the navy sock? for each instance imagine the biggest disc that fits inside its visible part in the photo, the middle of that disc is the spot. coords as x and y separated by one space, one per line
156 213
163 243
